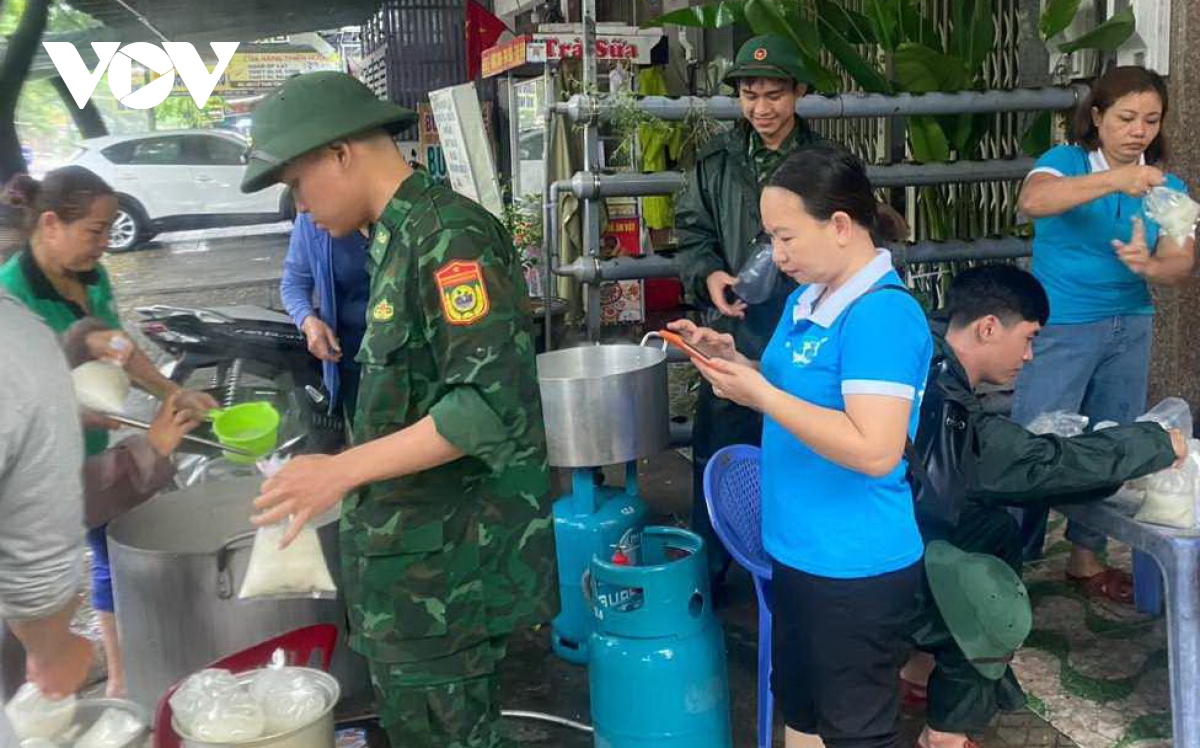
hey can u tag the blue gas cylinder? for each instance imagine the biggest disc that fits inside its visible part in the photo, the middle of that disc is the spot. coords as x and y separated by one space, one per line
657 670
593 520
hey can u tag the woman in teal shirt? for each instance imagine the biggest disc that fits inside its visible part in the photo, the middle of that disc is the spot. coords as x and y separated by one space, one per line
60 278
1096 253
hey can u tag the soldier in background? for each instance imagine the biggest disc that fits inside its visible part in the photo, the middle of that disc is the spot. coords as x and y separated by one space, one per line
446 537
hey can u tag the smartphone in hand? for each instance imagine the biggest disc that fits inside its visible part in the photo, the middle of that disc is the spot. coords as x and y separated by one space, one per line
692 351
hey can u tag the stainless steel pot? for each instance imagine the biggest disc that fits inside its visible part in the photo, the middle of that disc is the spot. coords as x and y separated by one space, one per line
316 734
604 404
177 564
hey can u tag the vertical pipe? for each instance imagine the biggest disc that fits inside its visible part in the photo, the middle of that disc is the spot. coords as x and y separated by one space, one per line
549 202
591 163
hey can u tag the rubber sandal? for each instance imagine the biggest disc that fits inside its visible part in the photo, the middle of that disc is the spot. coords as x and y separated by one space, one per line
1110 584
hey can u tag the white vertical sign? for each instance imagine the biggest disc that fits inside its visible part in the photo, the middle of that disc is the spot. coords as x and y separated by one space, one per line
465 142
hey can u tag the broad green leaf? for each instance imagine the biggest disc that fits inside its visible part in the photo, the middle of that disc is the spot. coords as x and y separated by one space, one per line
884 22
920 69
972 33
1106 37
1040 135
1056 17
860 69
827 80
917 27
853 26
711 16
927 140
779 17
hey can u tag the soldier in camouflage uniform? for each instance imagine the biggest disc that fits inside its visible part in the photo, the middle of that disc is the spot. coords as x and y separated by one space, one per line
445 534
717 220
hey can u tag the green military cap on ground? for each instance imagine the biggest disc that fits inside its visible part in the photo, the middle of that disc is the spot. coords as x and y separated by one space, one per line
983 602
310 111
769 56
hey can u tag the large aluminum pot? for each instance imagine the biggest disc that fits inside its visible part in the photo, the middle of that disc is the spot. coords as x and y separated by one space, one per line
177 564
604 404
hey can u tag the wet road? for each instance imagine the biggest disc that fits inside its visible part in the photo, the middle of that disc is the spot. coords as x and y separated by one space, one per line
218 261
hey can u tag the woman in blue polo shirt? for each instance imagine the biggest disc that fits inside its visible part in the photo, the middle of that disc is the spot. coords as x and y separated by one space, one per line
1096 253
839 387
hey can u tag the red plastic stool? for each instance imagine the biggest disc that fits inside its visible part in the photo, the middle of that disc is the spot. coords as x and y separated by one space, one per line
299 645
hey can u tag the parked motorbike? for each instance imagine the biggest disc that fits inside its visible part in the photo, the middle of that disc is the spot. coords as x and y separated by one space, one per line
244 354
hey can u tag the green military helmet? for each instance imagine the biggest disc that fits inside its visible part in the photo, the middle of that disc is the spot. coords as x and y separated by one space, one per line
310 111
769 56
983 602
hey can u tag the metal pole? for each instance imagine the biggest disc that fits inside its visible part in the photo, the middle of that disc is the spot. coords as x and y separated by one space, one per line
589 186
590 270
549 204
591 163
814 106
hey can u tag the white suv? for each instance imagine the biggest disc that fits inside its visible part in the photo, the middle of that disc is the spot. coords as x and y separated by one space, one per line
176 180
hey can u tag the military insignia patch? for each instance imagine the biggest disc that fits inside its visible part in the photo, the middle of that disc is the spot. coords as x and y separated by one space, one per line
464 294
760 54
383 311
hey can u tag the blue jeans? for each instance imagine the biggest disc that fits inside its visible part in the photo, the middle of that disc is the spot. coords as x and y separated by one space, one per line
1100 369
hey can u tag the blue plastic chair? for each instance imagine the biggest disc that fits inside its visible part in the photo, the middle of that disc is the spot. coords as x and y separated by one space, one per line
733 495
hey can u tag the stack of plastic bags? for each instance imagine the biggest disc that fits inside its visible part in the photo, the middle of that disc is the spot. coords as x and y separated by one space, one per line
1169 497
42 723
215 706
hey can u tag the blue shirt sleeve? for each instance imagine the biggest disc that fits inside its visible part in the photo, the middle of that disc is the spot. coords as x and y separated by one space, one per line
296 286
1176 184
1063 160
886 347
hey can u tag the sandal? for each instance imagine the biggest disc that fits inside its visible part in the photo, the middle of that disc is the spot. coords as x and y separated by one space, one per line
1110 584
913 696
968 743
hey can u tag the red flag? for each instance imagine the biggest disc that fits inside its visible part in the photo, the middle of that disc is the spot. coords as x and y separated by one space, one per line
483 30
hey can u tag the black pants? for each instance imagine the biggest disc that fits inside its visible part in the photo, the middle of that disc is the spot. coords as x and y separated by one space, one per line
961 700
837 649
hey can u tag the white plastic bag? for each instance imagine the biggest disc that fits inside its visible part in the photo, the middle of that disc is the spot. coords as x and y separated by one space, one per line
1059 423
38 743
32 715
299 570
212 706
1174 211
1171 494
115 729
101 386
1171 413
290 697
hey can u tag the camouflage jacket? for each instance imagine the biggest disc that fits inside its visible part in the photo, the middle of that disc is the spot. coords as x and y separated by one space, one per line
437 561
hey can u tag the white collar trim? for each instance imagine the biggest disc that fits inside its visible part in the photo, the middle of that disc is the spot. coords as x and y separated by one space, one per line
830 309
1098 162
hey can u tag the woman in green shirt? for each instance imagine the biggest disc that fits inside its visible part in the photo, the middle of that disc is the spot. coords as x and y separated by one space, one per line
60 278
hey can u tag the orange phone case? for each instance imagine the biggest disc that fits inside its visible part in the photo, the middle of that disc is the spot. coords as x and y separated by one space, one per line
677 340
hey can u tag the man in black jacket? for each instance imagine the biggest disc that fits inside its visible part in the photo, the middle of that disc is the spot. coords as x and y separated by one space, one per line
976 464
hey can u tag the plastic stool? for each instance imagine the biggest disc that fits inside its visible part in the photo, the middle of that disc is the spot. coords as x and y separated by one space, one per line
733 494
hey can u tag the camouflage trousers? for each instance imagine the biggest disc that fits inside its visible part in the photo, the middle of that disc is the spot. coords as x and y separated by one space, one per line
961 700
445 702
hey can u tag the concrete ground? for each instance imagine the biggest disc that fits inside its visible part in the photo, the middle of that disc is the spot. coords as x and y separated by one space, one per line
537 680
